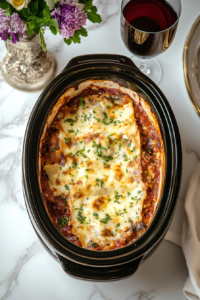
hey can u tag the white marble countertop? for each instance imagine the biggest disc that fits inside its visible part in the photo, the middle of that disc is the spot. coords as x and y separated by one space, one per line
26 269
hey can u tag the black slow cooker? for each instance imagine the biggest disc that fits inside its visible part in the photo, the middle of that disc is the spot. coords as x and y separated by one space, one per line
76 261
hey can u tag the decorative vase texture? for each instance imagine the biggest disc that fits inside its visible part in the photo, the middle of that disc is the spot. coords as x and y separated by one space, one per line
27 66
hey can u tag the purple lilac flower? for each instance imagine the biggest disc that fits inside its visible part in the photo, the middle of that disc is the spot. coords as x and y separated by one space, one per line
69 18
11 25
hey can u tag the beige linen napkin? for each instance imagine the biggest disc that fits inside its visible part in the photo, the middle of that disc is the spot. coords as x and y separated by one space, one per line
191 237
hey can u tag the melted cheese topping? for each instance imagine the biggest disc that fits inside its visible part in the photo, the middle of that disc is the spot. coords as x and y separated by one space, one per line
102 173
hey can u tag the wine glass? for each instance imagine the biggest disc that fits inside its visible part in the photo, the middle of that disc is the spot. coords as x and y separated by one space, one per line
148 28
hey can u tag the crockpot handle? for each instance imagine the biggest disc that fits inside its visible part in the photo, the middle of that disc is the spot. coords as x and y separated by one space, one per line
92 58
99 274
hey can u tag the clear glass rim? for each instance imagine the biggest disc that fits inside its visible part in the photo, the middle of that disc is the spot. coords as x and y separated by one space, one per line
154 32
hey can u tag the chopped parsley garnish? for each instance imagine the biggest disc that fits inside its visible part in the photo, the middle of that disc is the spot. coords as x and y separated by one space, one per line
128 193
139 192
71 121
81 152
93 244
117 196
53 149
98 120
107 158
81 101
95 215
81 218
67 140
135 157
66 187
117 225
106 219
99 181
63 221
70 131
126 170
87 170
74 165
125 157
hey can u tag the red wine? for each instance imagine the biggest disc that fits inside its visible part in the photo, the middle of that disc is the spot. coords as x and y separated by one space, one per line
150 15
148 27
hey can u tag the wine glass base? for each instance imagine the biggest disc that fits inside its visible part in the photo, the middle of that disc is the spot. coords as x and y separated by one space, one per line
149 67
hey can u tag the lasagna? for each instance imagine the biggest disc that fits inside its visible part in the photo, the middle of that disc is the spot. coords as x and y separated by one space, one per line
101 165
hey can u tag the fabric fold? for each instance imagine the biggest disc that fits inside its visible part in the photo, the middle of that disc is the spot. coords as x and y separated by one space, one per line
191 236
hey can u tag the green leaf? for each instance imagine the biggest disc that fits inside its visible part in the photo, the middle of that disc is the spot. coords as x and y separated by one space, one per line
54 23
42 41
35 27
83 31
30 31
4 4
69 41
53 29
36 4
47 13
93 9
25 12
33 8
7 12
76 38
93 16
87 4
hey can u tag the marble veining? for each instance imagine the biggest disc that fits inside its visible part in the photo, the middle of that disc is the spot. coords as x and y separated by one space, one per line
97 293
18 246
108 10
11 281
189 151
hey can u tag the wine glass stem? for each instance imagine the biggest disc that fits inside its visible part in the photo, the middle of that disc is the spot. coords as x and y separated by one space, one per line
144 68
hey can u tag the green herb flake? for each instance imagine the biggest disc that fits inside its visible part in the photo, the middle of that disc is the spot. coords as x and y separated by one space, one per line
106 219
95 215
66 187
63 221
81 101
67 140
93 244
